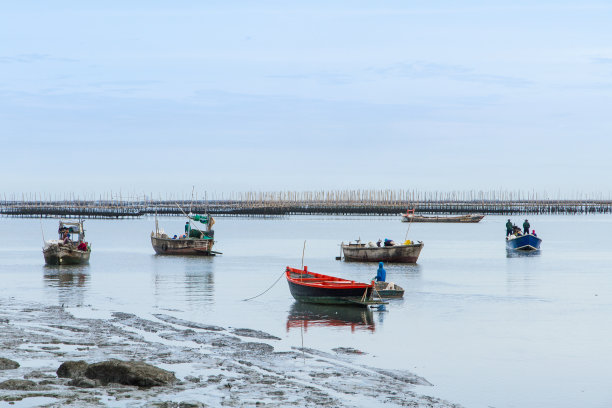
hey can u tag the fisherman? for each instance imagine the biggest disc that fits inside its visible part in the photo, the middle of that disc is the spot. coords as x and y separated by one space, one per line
389 242
378 242
381 274
187 228
526 227
509 227
533 233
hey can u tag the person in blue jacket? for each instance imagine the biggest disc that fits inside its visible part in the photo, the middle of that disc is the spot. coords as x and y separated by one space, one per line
381 274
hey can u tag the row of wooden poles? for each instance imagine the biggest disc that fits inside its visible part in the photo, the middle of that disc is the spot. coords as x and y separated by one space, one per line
337 202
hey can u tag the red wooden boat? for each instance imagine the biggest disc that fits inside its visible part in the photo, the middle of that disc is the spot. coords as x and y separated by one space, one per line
309 287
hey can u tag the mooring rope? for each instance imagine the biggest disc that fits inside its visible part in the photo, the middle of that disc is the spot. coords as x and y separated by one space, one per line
247 299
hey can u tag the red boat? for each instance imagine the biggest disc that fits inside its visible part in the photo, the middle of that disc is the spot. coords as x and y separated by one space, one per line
312 287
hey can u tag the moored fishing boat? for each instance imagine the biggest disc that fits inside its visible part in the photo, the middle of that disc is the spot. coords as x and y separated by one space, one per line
410 216
389 290
402 253
70 248
193 242
309 287
526 242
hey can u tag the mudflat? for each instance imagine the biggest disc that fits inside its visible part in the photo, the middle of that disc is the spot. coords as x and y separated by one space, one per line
214 366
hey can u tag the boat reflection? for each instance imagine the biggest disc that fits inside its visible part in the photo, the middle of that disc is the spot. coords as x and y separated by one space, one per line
70 282
513 253
69 275
313 315
187 278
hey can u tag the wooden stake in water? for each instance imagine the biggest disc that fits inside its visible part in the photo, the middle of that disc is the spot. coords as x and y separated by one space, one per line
303 250
41 230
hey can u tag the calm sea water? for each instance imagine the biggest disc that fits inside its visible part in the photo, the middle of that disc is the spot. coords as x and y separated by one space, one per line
488 330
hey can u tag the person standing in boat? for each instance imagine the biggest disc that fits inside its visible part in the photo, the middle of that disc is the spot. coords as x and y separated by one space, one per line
381 274
509 227
187 228
526 227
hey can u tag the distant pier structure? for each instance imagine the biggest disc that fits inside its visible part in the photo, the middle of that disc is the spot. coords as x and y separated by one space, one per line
336 202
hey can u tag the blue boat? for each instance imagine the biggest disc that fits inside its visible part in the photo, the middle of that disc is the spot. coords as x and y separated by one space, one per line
527 242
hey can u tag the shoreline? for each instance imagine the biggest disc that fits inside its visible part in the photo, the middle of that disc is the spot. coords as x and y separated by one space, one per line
216 366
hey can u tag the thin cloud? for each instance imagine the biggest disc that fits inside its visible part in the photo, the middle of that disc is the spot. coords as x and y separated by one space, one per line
420 70
602 60
323 77
32 58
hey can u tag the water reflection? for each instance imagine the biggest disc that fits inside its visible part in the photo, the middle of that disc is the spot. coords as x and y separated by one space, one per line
412 271
191 279
71 282
512 253
311 315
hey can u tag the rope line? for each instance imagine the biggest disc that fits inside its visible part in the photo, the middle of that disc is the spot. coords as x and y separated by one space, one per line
247 299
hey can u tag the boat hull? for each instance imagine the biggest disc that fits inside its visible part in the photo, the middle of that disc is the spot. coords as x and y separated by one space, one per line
460 218
65 255
524 243
397 253
168 246
327 296
311 287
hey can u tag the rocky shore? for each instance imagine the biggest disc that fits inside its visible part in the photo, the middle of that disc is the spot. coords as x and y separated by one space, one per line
50 358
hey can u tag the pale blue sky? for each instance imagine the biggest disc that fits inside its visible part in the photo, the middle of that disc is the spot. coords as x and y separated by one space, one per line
153 96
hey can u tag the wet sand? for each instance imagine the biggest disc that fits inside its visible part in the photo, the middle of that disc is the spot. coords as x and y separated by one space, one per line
216 366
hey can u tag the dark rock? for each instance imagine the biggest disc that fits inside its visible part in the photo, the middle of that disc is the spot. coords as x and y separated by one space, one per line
254 333
182 404
38 374
187 323
123 316
83 382
20 385
72 369
347 350
215 378
129 373
258 347
6 364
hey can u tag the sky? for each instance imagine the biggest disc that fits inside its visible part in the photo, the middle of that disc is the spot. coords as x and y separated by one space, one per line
168 96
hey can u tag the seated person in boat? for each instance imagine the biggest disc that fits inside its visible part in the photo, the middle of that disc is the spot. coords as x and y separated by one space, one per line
379 242
381 274
389 242
533 233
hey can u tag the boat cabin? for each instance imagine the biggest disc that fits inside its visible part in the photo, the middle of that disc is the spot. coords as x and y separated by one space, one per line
71 231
